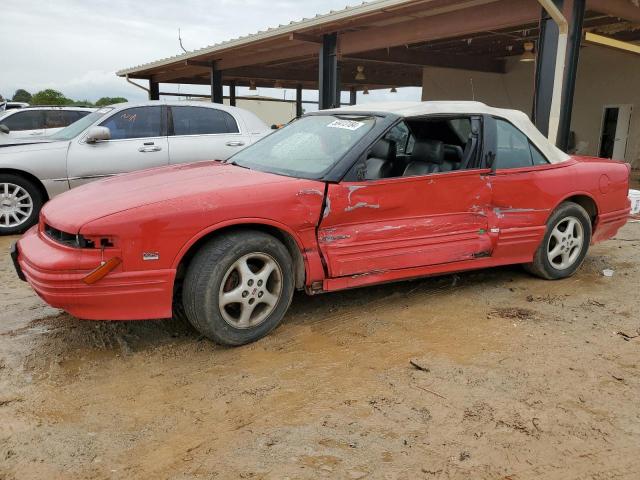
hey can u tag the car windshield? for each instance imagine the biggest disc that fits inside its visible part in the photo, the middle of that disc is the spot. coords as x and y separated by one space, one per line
78 127
306 148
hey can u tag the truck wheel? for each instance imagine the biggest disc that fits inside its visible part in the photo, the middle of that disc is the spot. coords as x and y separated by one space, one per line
564 245
20 204
238 287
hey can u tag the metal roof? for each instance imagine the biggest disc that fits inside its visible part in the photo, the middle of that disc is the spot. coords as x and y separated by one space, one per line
295 26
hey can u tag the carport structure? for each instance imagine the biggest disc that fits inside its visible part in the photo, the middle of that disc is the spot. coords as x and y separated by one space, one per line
387 43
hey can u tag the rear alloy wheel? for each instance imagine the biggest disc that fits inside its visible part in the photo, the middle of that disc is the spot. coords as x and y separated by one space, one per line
565 243
238 287
20 203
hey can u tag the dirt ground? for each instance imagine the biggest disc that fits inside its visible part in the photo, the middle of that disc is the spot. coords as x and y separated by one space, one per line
518 378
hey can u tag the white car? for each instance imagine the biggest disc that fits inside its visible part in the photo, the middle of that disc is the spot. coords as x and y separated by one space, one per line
37 121
5 105
116 139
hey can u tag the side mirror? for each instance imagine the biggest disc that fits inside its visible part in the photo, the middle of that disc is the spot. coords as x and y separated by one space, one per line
98 134
4 128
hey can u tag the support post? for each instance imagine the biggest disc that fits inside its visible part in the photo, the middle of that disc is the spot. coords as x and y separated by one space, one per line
298 101
550 66
232 93
216 84
329 72
154 90
353 96
576 22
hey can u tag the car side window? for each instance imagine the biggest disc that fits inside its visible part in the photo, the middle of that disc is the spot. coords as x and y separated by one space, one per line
202 121
538 157
28 120
401 135
513 150
137 122
60 118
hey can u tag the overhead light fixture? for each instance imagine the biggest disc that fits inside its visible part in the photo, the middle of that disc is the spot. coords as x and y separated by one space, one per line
528 55
252 85
360 73
365 91
278 84
393 90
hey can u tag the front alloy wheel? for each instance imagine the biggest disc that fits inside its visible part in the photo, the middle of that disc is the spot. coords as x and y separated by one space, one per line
238 287
250 290
20 203
16 205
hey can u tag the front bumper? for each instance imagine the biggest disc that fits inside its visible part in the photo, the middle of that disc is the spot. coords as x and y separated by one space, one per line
55 272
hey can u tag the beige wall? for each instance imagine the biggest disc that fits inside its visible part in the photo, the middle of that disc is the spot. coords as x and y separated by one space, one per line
605 77
271 113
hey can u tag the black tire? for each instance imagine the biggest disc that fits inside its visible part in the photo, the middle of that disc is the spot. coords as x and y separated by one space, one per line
542 266
11 180
216 262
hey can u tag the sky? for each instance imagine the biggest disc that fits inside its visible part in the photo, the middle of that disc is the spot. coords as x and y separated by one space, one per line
76 46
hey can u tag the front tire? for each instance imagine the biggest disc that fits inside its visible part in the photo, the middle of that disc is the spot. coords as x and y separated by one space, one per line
565 243
238 287
20 204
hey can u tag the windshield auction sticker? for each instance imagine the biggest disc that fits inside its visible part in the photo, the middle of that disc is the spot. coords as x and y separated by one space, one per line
345 124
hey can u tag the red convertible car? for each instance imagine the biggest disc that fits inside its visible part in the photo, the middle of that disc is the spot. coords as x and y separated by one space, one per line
337 199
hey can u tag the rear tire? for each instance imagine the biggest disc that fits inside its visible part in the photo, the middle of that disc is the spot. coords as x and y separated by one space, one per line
20 204
238 287
565 243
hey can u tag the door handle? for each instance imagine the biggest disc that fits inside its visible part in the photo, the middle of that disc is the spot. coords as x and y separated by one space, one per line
234 143
150 149
35 133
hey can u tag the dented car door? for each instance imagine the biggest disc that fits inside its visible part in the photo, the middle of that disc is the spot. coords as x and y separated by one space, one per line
405 222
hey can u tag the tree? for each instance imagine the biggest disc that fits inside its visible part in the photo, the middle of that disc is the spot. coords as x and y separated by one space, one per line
49 97
22 95
110 101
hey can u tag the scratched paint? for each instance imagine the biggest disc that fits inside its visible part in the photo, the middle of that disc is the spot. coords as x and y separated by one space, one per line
351 189
333 238
386 228
310 192
327 208
514 210
358 205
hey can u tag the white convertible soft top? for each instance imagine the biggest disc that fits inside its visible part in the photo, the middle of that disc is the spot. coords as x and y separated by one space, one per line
417 109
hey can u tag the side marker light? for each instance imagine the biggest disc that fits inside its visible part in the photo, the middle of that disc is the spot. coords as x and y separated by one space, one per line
102 270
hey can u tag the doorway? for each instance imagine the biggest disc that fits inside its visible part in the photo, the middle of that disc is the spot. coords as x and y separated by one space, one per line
615 131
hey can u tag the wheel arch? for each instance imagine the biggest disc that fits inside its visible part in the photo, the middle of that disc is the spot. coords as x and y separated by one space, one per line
281 232
586 201
28 176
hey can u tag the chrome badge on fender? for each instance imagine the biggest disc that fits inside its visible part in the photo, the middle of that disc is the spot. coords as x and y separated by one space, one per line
149 256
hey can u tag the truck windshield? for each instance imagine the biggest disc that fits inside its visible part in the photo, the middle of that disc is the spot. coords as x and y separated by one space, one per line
306 148
78 127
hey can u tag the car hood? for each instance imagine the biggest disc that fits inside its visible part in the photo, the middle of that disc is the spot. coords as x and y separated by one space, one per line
73 209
